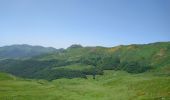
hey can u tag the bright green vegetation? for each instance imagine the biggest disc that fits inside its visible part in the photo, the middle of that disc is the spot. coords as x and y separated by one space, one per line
78 62
133 72
4 76
113 85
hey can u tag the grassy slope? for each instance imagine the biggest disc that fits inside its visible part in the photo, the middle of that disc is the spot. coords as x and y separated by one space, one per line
154 55
110 86
157 54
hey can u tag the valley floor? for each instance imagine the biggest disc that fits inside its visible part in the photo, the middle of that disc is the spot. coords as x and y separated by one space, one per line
113 85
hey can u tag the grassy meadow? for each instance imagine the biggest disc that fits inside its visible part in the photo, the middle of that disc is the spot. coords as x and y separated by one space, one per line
113 85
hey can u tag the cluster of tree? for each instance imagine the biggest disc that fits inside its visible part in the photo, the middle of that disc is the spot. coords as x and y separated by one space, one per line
135 66
113 62
51 74
43 69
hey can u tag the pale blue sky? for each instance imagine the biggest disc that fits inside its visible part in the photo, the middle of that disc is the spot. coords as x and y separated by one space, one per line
60 23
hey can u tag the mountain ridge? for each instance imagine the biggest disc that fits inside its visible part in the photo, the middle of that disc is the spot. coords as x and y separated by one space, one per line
79 61
23 51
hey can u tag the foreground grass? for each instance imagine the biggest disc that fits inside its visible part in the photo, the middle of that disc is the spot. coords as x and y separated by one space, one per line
113 85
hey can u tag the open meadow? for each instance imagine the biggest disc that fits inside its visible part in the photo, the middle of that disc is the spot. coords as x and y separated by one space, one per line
113 85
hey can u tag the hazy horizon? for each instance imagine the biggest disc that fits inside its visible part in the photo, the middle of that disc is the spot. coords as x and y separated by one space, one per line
61 23
83 45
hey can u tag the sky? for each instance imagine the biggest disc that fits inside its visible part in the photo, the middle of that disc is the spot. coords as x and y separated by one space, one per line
60 23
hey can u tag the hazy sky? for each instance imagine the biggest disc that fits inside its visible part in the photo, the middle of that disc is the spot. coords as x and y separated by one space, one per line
60 23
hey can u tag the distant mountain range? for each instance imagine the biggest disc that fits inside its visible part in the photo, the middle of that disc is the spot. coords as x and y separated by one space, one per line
23 51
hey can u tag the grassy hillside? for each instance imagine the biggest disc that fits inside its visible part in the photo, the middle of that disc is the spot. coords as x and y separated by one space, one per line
78 61
113 85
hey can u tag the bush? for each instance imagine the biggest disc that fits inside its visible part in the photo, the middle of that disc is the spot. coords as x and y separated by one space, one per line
135 67
110 63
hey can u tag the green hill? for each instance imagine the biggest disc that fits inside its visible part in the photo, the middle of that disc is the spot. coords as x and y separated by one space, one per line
75 61
133 72
23 51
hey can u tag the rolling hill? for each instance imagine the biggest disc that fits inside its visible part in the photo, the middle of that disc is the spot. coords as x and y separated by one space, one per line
78 61
23 51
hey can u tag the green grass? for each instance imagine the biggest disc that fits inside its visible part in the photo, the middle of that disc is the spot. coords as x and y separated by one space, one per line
4 76
113 85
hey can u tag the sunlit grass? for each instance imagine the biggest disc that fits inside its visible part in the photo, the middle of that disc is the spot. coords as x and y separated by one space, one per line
113 85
